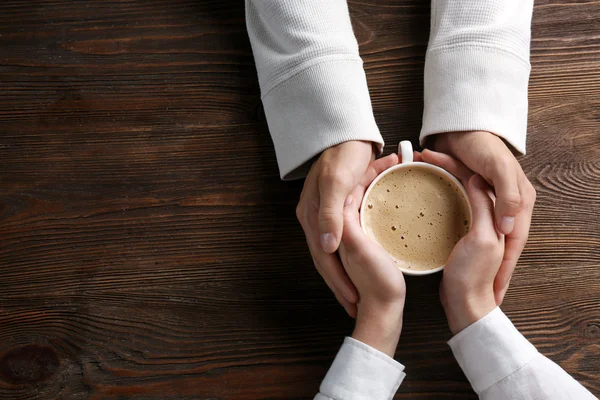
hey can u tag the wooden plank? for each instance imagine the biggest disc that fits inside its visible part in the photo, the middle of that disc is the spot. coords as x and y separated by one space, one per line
148 249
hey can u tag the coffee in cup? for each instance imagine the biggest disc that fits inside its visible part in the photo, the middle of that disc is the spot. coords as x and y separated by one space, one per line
417 212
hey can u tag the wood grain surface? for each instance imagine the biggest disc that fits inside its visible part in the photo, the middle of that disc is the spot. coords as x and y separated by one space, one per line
148 249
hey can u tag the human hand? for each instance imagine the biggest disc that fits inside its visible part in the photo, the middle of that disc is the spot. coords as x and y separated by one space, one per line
320 211
487 155
467 289
379 282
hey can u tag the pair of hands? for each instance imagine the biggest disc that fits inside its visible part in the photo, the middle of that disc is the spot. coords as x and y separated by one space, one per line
348 169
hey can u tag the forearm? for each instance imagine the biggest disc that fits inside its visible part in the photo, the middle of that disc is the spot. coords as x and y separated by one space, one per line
313 85
477 68
501 364
360 372
364 368
379 329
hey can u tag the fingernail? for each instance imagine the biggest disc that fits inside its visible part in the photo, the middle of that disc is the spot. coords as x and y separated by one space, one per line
507 224
328 242
348 200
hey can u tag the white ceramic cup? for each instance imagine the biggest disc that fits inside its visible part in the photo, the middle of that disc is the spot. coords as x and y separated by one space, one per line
405 149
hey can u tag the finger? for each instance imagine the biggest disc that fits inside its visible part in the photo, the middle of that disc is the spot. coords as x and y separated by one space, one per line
307 212
372 172
482 206
503 277
378 167
333 190
348 306
417 156
515 242
504 176
500 289
450 164
351 309
354 237
308 202
332 271
329 266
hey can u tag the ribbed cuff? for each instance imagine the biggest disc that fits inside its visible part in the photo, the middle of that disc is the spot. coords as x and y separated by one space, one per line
476 88
490 350
322 106
359 372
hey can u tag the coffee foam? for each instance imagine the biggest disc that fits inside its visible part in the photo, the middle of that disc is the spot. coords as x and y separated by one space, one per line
418 216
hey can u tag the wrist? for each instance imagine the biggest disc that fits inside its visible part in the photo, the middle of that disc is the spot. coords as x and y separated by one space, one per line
367 147
379 326
439 142
467 308
360 145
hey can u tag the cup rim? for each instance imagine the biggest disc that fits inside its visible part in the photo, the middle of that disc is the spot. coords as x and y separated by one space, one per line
445 173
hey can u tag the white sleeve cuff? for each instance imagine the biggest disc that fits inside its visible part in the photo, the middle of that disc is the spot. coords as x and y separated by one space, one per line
324 105
359 372
473 87
490 350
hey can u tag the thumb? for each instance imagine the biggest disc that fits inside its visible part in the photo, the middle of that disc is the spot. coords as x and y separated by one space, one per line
481 204
332 194
505 178
353 234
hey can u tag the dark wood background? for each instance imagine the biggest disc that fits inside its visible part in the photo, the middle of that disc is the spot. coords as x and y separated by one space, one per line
148 249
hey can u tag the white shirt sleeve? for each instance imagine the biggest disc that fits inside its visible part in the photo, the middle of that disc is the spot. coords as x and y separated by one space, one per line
477 68
501 364
360 372
313 86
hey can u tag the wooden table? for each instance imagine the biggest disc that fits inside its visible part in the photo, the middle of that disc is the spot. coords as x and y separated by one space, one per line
148 249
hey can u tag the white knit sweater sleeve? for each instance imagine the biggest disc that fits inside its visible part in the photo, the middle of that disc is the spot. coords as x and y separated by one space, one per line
312 82
477 68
